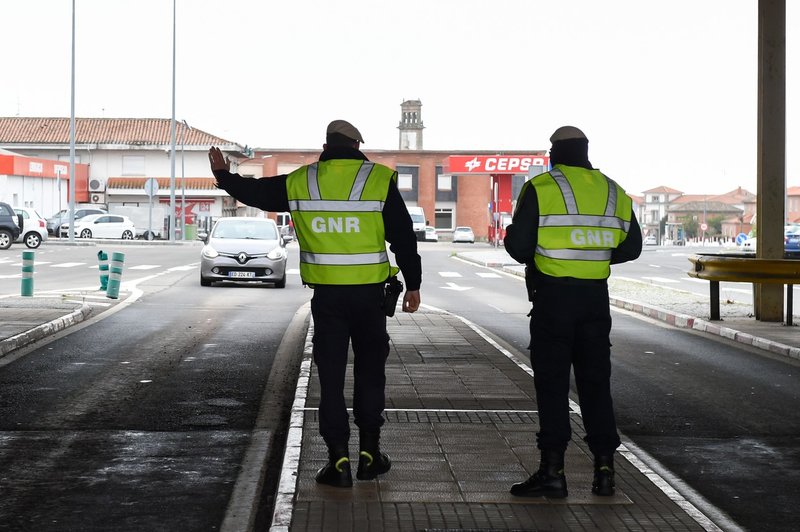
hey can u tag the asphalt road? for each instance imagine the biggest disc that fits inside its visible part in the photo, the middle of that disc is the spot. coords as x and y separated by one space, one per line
153 409
141 421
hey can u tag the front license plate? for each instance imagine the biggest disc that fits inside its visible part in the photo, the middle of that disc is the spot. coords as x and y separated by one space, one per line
241 275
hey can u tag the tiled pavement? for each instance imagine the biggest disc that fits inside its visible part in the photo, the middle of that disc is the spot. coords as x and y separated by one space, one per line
460 428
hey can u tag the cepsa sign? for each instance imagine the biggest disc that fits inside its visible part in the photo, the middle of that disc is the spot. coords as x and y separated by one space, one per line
494 164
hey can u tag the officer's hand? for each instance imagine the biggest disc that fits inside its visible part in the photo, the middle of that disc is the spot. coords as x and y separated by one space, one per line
411 301
217 160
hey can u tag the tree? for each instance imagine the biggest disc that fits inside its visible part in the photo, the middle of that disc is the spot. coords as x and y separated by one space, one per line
690 226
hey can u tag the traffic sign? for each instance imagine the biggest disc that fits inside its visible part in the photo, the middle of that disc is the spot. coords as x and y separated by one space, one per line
703 226
740 238
151 186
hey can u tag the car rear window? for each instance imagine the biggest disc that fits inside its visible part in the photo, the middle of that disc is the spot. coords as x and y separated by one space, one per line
246 230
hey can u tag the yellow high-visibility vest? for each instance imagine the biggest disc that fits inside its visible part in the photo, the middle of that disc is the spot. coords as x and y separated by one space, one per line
337 211
583 216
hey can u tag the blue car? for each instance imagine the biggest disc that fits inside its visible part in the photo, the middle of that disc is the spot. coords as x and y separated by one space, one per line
791 241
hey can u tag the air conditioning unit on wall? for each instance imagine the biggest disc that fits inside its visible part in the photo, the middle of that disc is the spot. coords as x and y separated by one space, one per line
97 197
97 185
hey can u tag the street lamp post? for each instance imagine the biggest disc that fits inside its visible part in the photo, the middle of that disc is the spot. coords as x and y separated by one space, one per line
172 138
183 183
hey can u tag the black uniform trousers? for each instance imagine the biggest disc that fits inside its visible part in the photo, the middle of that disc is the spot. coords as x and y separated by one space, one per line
343 314
570 326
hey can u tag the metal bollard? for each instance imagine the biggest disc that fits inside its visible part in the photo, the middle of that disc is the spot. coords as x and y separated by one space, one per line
102 258
115 275
27 273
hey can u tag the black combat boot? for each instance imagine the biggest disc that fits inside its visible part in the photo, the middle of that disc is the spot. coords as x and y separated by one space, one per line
603 483
548 481
371 461
337 471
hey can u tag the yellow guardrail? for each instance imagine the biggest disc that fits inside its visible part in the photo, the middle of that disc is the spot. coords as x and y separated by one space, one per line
745 269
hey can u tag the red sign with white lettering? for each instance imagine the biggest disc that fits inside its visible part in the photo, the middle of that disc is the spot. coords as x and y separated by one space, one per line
495 164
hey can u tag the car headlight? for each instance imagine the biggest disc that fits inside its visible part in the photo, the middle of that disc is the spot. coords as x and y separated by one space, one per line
276 253
210 252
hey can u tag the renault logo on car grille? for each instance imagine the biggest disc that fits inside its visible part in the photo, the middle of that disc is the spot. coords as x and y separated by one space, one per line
242 257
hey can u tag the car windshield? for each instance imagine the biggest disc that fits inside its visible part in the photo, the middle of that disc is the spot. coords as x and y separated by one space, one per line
246 230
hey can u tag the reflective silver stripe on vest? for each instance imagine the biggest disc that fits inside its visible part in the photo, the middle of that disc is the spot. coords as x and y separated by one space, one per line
358 184
584 220
569 196
336 205
611 205
336 259
313 185
575 254
361 180
566 191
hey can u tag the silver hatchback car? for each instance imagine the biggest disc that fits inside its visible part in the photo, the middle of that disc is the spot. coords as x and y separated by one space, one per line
244 249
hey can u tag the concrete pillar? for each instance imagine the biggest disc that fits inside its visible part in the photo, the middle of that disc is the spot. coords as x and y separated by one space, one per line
771 160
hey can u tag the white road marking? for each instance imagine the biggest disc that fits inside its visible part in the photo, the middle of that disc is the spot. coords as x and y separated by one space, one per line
661 280
182 268
67 264
293 271
145 267
487 275
449 274
457 288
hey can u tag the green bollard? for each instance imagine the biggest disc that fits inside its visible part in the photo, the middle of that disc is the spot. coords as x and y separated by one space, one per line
115 275
27 273
102 258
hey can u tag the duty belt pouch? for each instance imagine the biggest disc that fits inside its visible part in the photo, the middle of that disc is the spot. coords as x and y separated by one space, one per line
392 291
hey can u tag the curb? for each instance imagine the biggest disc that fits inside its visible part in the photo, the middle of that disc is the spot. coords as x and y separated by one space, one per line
46 329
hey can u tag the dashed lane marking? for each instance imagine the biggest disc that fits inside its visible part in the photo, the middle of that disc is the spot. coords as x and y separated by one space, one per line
449 274
661 279
486 275
182 268
67 264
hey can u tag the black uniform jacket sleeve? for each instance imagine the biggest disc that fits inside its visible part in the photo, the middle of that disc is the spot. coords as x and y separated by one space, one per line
401 237
269 194
522 235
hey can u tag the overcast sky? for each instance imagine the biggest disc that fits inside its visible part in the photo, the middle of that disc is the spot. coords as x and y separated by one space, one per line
665 90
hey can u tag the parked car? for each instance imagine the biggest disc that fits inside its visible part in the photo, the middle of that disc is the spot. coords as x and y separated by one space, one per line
244 249
650 240
430 234
9 225
791 241
34 227
464 234
101 226
61 217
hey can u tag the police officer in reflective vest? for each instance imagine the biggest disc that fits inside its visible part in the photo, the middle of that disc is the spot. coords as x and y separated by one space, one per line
569 225
344 210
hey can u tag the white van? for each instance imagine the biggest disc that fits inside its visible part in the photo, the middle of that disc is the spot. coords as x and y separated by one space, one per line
418 221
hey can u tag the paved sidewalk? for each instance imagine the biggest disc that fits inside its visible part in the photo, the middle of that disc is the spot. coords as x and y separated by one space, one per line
460 428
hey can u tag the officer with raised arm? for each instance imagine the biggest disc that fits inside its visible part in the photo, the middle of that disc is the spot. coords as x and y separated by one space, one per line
344 209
